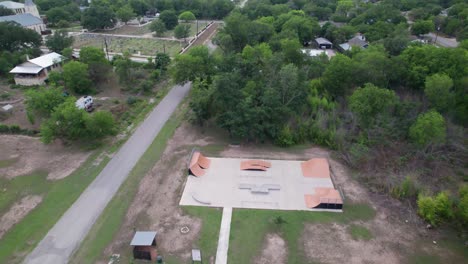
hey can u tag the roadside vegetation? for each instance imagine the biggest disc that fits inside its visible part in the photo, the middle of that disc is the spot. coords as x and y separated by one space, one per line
395 112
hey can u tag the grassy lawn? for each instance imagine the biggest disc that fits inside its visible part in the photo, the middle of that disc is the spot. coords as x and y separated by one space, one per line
132 45
13 190
58 196
211 221
249 227
107 225
8 162
360 233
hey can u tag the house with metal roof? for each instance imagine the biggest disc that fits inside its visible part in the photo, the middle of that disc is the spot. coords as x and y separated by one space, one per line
357 41
27 21
36 71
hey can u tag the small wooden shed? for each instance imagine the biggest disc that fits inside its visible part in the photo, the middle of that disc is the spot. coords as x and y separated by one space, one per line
144 245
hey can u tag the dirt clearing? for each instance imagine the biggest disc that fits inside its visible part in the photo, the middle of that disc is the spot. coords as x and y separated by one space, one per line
155 206
17 212
274 250
28 154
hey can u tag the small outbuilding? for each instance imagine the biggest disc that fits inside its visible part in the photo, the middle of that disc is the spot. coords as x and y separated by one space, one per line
144 245
323 43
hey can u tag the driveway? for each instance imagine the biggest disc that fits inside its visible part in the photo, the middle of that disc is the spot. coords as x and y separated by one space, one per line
64 238
444 42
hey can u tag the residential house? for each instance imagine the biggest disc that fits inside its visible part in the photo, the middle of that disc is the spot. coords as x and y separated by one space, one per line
357 41
36 71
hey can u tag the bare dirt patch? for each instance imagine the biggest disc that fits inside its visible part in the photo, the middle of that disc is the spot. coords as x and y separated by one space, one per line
17 212
333 244
274 250
32 155
156 204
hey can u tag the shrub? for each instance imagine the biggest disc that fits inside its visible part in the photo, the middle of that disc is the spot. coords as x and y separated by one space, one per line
428 129
132 100
435 210
462 213
406 189
285 138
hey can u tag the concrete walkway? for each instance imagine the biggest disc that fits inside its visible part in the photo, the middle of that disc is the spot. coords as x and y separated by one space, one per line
223 241
64 238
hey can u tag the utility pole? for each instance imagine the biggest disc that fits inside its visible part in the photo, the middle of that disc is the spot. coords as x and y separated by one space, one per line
437 34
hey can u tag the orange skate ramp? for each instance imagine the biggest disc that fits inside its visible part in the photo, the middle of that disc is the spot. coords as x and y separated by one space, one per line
203 161
198 164
255 165
316 168
323 196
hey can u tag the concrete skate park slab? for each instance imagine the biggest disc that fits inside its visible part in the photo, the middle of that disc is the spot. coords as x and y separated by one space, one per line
281 187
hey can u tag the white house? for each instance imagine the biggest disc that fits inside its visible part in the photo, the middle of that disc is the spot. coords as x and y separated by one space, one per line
36 71
19 8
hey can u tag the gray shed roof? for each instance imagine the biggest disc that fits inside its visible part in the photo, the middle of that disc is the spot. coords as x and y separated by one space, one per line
11 4
26 70
24 20
323 41
143 238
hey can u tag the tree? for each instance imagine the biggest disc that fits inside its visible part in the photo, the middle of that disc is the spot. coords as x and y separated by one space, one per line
187 16
159 27
438 89
14 37
42 101
125 13
5 11
428 129
197 63
169 18
59 41
182 31
57 14
338 78
98 17
76 77
370 101
162 60
67 53
70 123
97 63
422 27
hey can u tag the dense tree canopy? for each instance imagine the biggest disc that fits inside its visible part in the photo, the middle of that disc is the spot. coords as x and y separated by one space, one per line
125 13
98 17
14 37
169 18
59 41
5 11
76 77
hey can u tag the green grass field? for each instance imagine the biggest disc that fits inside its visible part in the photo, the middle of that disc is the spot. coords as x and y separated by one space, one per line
249 227
132 45
359 232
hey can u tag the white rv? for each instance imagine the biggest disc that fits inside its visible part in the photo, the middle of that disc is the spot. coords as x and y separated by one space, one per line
85 102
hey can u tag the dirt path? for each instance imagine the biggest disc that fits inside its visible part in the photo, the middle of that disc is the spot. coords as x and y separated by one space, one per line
29 154
274 250
17 212
72 227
